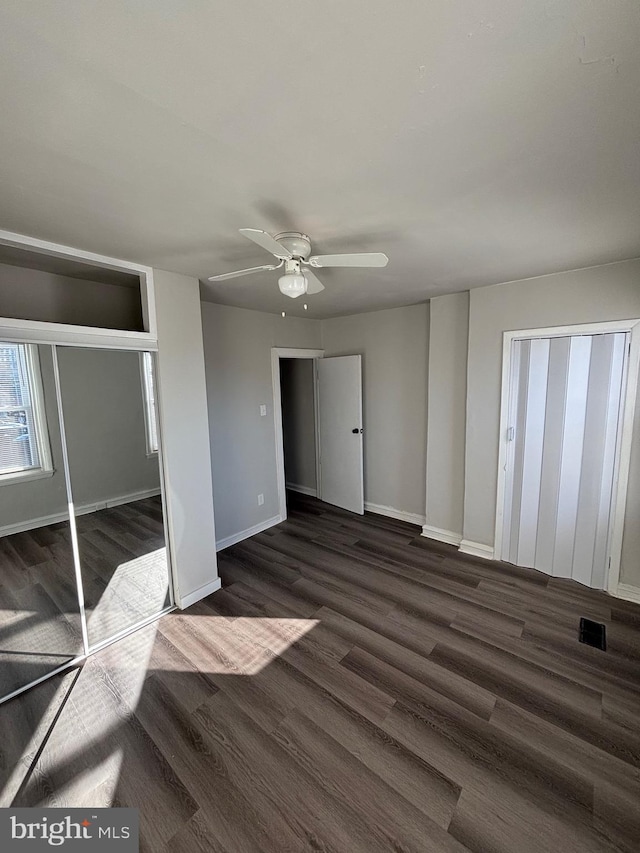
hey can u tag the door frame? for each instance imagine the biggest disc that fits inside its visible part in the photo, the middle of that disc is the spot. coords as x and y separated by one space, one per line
276 354
625 432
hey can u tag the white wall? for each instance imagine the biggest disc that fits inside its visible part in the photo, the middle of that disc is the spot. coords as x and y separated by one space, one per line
237 345
298 422
447 394
103 407
185 436
609 292
105 427
28 294
394 345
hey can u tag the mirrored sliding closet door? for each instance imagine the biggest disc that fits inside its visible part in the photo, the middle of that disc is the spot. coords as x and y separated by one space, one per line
83 556
111 435
40 621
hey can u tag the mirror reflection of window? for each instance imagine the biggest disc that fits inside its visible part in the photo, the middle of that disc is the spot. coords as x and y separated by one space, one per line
24 439
148 384
40 621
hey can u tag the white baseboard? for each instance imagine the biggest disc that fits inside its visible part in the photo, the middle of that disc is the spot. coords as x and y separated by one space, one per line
304 490
126 499
476 549
201 592
33 523
390 512
628 592
441 535
81 509
221 544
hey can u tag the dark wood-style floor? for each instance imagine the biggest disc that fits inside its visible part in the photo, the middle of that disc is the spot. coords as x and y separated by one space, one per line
353 687
124 575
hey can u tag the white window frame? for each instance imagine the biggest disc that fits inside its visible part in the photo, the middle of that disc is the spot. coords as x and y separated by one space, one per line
149 399
38 419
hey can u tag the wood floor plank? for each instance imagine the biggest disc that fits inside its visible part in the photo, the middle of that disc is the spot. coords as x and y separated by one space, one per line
577 754
305 811
278 568
228 816
418 782
211 647
402 825
365 698
556 702
480 750
232 570
499 668
199 835
461 690
335 533
616 815
503 822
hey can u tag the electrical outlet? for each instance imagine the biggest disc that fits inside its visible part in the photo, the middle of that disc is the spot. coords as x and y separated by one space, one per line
260 500
263 411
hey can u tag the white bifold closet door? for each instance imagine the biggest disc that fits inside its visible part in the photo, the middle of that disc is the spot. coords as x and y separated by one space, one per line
565 399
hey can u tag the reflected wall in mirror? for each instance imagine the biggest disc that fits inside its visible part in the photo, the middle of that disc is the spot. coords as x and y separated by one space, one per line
111 437
40 626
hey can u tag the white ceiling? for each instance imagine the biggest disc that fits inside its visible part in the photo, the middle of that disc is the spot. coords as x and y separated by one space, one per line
474 142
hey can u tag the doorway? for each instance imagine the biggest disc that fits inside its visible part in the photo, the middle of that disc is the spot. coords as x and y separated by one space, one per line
565 438
318 427
299 433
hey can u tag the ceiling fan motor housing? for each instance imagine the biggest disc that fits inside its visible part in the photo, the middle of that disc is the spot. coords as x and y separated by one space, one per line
298 244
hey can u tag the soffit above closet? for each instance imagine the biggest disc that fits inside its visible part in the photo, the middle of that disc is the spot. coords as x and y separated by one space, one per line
66 267
474 142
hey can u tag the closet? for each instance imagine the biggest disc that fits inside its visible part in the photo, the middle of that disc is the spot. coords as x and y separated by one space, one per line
566 395
83 541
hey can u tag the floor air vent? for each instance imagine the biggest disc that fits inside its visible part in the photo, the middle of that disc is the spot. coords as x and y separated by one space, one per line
593 634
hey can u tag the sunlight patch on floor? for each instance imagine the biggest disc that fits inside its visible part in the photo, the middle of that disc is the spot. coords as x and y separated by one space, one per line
81 758
241 645
137 589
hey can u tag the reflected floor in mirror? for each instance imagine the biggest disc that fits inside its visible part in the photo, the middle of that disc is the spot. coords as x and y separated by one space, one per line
125 578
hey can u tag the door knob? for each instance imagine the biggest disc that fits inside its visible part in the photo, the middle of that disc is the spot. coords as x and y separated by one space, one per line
355 430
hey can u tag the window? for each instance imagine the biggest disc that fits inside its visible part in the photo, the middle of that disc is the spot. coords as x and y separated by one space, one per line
148 384
24 440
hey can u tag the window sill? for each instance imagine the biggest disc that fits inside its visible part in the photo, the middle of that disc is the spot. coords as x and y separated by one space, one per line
25 476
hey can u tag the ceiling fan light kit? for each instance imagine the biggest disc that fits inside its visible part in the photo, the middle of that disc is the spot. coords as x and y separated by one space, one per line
293 249
292 283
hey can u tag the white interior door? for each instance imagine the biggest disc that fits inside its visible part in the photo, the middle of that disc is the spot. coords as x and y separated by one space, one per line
564 419
340 431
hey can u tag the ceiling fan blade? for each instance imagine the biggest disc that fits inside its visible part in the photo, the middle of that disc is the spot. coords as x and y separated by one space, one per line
364 259
238 273
314 285
267 242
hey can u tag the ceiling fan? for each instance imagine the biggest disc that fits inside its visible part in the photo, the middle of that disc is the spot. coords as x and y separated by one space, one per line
293 251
